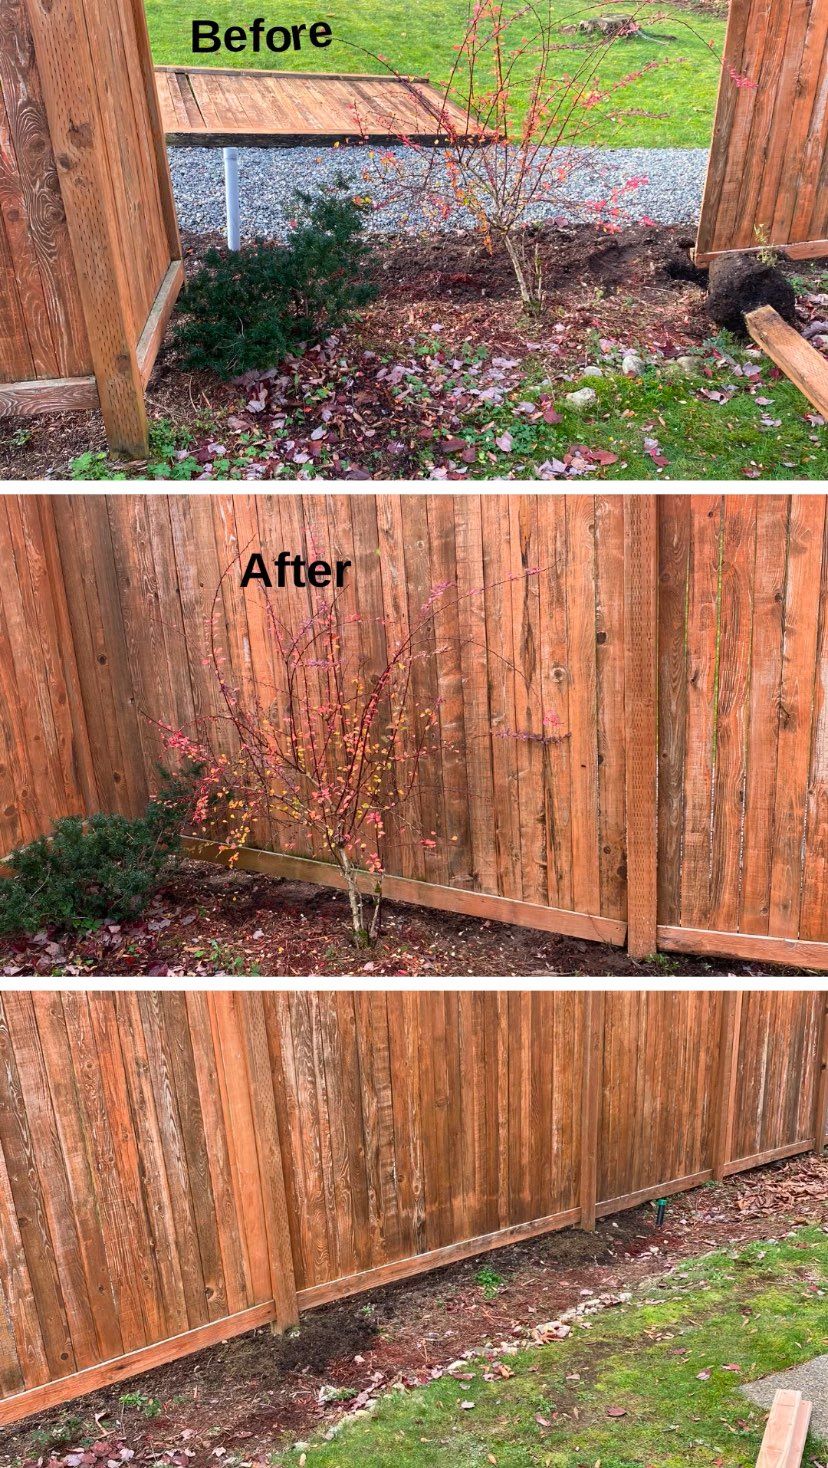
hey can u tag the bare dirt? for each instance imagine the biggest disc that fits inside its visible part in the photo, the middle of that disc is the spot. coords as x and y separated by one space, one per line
206 921
240 1402
633 287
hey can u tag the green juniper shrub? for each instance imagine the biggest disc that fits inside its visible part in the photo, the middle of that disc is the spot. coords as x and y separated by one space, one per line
102 869
245 310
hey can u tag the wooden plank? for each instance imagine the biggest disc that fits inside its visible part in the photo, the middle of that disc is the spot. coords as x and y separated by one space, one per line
799 361
700 757
666 1189
821 1095
783 1443
675 531
425 894
796 711
41 1398
728 1062
641 718
151 337
580 590
813 920
48 395
732 708
768 597
41 229
793 953
271 1173
437 1258
66 71
593 1041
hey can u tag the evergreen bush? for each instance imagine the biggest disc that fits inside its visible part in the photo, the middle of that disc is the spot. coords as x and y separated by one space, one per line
245 310
87 872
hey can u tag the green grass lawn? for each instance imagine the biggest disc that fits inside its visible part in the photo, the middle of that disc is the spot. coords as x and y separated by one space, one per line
645 420
650 1385
673 104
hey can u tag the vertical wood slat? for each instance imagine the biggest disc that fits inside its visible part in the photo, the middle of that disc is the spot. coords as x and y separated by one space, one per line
594 1014
729 1037
641 720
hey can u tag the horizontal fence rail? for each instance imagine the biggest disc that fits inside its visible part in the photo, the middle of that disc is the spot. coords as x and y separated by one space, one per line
632 691
179 1168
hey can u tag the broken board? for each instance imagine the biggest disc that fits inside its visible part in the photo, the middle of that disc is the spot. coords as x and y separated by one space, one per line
800 362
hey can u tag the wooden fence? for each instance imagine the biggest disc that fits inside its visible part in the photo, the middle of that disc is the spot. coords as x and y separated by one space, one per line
636 738
766 179
179 1168
90 258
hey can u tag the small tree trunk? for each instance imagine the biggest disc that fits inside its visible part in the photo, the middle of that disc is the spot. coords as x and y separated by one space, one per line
355 900
375 919
515 255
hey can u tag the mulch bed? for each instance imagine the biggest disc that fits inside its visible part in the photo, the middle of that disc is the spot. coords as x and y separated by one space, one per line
244 1402
206 921
626 288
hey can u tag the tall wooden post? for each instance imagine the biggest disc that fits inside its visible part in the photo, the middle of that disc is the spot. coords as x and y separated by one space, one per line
641 718
65 65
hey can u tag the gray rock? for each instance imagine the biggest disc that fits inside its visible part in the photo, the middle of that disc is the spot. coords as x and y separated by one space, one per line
593 372
632 365
683 366
582 398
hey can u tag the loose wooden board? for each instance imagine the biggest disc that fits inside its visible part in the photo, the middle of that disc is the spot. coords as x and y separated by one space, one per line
798 360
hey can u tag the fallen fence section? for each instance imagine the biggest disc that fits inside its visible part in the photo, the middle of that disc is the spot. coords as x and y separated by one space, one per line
177 1168
633 692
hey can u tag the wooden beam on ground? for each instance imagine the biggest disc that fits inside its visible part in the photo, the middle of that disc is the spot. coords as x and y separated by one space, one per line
801 363
786 1432
641 718
792 952
408 889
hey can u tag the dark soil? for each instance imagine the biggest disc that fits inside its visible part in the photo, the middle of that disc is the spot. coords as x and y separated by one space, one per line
206 921
245 1402
625 287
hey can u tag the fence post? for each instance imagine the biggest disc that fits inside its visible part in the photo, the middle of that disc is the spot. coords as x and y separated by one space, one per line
593 1042
821 1103
641 704
729 1033
67 71
271 1163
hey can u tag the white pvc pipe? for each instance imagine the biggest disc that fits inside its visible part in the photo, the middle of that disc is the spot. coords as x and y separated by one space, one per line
231 195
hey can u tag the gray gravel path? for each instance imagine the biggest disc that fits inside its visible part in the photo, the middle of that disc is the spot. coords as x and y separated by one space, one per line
671 194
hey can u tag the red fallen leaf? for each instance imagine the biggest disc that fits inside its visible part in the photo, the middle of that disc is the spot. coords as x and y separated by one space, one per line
551 417
542 1421
454 445
731 1368
469 455
616 1411
703 1375
603 456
